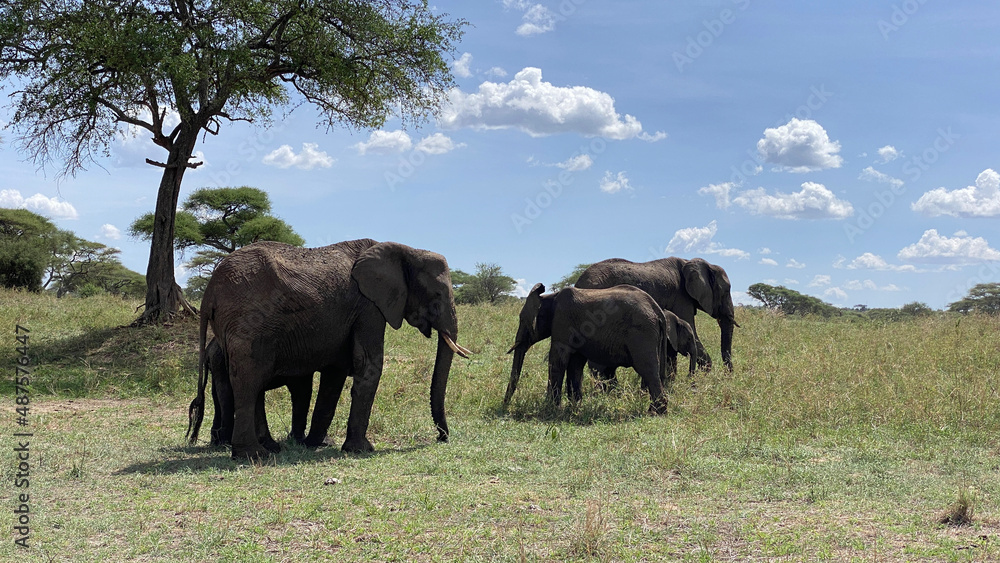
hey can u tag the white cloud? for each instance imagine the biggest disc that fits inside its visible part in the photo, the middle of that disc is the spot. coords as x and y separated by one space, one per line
872 175
720 192
698 240
820 280
801 145
109 231
537 19
48 206
461 65
933 248
870 261
310 157
888 153
385 142
793 263
496 72
612 184
768 262
790 281
538 108
577 163
980 200
836 293
858 285
765 251
438 143
814 201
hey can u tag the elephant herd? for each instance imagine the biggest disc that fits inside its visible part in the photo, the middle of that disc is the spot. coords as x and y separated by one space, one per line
280 313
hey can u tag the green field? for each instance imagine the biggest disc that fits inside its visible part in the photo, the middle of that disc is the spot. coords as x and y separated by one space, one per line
832 440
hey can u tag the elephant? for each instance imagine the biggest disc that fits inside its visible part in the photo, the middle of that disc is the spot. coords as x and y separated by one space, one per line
222 398
281 311
678 285
680 339
617 326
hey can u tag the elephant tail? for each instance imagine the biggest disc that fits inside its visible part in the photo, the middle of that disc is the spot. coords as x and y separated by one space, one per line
196 412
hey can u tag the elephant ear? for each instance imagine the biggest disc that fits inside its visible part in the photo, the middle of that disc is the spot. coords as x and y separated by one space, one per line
526 328
698 284
379 273
672 336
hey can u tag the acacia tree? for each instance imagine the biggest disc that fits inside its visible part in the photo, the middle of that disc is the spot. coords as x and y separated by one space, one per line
218 221
86 69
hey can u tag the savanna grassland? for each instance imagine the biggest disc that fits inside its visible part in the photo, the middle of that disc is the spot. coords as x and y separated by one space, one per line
832 440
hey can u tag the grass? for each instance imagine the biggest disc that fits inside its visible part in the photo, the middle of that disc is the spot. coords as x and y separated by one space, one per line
830 441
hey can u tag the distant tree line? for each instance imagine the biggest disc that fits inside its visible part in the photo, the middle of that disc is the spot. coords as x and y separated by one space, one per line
35 255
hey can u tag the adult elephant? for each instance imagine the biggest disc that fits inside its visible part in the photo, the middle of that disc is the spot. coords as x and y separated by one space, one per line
285 311
300 389
678 285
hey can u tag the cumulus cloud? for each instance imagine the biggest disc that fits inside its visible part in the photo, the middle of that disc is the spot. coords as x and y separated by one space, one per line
460 66
577 163
438 143
872 175
768 262
537 19
496 72
980 200
109 231
801 145
765 251
814 201
385 142
820 280
793 263
43 205
614 183
720 192
870 285
870 261
888 153
310 157
960 249
835 293
698 240
538 108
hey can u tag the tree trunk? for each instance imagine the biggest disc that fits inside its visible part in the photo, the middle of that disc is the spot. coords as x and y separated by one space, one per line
163 296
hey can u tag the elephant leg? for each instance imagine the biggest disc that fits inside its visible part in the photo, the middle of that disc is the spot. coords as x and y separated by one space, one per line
367 371
300 390
574 377
558 361
331 385
670 370
648 368
606 376
704 360
262 429
247 382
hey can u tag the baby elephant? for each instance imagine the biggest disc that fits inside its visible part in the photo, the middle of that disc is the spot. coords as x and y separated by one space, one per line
222 397
680 339
617 326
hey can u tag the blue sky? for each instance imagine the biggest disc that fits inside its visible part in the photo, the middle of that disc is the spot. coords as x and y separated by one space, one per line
846 150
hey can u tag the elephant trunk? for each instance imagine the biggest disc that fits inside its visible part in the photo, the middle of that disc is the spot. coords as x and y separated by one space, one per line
726 324
515 372
439 384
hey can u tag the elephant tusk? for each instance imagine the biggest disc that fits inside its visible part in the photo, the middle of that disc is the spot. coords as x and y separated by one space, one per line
460 350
